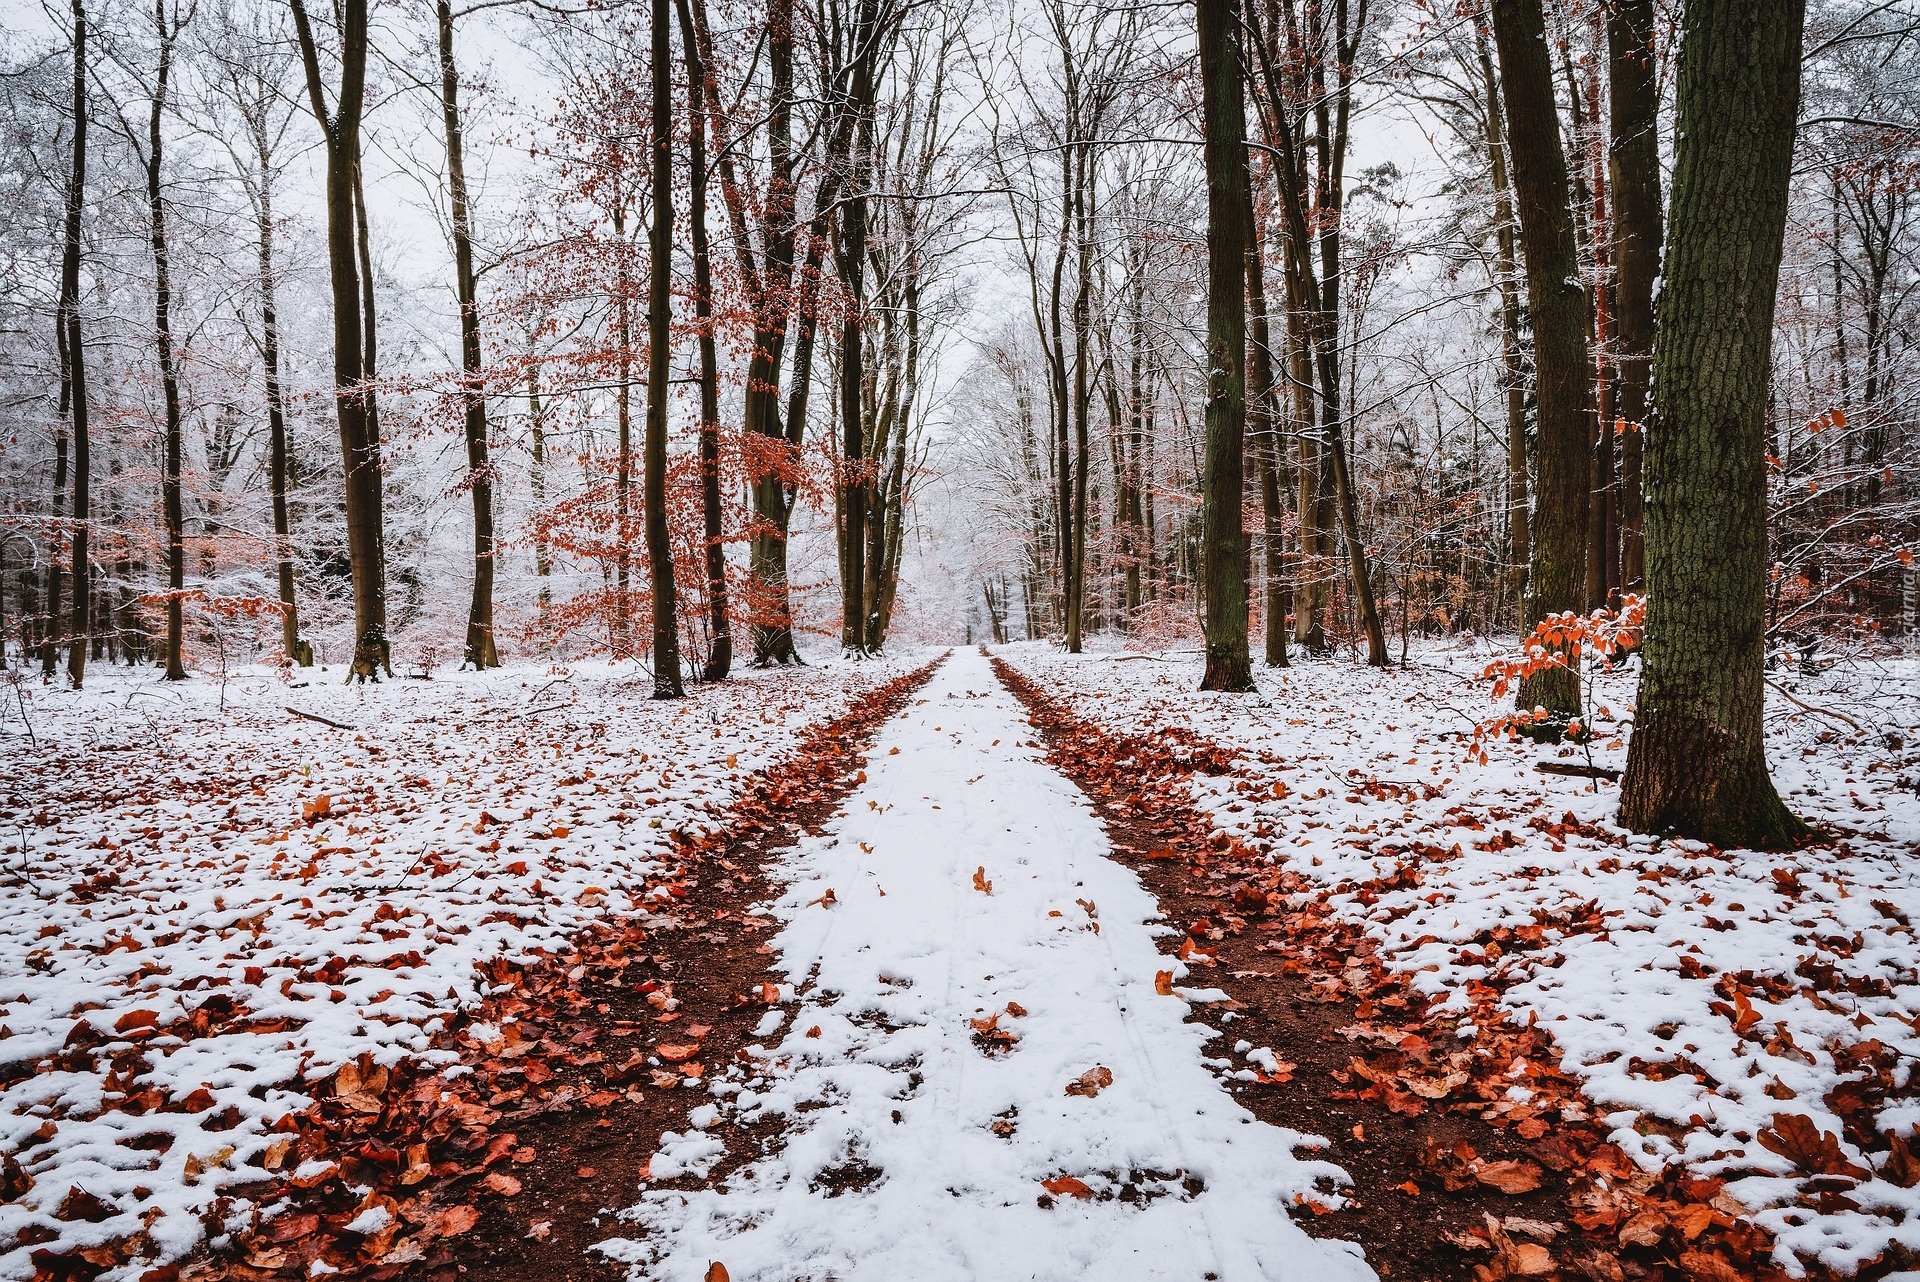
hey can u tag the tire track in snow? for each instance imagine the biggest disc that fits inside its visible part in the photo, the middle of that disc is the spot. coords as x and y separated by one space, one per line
890 1167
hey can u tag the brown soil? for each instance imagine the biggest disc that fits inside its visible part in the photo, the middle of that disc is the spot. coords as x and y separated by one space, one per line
1307 986
533 1146
591 1164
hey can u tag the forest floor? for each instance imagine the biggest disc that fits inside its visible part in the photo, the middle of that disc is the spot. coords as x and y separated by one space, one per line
1042 966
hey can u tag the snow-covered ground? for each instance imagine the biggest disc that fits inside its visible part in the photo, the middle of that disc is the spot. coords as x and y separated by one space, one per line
1696 993
963 953
206 900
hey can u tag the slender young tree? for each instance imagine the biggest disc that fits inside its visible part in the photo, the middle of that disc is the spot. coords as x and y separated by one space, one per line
1634 95
1697 763
152 157
720 656
1507 269
1264 439
666 631
254 61
1222 520
359 431
481 650
1556 574
77 355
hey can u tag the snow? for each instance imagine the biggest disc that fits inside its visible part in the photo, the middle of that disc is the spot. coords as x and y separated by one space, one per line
158 858
1374 778
890 1165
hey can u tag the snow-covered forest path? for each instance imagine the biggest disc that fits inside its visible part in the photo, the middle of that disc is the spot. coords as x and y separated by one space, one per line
917 1143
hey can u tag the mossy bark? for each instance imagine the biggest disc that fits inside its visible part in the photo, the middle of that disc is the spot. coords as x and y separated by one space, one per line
1696 765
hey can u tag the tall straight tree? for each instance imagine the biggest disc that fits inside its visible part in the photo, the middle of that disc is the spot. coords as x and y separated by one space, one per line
152 156
1265 443
720 655
1293 57
76 355
254 63
1223 535
766 274
481 651
666 631
1696 764
1635 161
359 435
1556 573
1507 269
851 254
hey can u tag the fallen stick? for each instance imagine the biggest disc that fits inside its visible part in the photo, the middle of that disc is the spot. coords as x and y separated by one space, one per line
1807 707
1578 772
308 716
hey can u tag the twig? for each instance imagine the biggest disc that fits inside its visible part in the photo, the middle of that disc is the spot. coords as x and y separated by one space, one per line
1818 712
308 716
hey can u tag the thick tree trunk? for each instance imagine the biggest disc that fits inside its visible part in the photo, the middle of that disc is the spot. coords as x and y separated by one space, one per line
666 629
1697 764
76 353
1556 576
359 434
1635 150
1223 536
720 624
851 253
481 650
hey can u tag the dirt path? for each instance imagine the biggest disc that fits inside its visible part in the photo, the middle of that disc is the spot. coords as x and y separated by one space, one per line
965 951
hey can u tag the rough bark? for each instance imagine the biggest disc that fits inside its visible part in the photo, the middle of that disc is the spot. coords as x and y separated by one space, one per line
1635 153
76 354
280 460
359 437
1507 267
481 650
1556 573
720 625
666 631
1696 764
170 497
1265 440
851 256
1222 532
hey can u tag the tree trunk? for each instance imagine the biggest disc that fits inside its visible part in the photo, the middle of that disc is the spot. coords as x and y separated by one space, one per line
280 462
1223 538
170 500
720 656
852 257
666 630
768 281
481 650
359 434
1507 266
622 640
76 353
1556 576
1697 764
1635 151
1265 440
537 478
